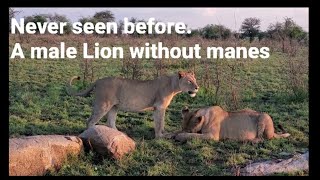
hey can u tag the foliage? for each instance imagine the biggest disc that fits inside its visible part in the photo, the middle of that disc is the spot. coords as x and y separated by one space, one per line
250 28
39 104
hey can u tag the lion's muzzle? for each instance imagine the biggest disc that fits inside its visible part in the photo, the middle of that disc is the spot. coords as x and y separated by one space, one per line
193 93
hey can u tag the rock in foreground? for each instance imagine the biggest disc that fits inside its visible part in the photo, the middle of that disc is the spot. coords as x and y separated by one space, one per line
107 141
296 163
35 155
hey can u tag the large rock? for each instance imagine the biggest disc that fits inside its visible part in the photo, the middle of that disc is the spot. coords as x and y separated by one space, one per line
296 163
107 141
35 155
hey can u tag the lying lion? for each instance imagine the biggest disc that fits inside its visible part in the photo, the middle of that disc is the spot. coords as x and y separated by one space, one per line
215 123
113 94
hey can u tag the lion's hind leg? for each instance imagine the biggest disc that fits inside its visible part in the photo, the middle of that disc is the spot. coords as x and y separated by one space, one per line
99 110
111 117
265 127
260 133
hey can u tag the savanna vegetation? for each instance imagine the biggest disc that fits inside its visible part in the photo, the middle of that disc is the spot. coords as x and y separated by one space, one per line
39 104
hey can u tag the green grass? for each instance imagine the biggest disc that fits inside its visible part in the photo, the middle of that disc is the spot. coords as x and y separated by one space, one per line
39 105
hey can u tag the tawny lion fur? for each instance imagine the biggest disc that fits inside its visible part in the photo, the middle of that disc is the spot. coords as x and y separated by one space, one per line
113 94
216 124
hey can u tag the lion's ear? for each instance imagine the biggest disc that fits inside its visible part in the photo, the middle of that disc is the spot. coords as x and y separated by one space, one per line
192 73
199 119
181 74
199 113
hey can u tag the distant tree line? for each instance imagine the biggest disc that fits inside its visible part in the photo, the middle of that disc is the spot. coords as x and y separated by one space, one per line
250 27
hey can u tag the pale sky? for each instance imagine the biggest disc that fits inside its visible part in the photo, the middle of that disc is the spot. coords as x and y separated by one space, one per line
193 17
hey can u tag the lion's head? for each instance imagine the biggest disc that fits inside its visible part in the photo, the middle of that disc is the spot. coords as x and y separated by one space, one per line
187 83
191 122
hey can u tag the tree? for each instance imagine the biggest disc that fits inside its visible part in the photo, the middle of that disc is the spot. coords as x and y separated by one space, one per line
275 31
135 21
215 32
12 14
286 30
262 35
250 28
41 18
194 32
223 32
297 33
120 27
87 19
236 34
292 30
83 20
104 16
61 18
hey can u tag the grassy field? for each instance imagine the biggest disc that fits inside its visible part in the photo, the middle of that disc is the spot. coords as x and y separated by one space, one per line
39 104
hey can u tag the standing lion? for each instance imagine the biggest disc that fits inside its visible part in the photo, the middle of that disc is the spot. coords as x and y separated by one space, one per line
113 94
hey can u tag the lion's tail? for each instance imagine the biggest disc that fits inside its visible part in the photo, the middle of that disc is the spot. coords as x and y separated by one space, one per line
83 93
284 134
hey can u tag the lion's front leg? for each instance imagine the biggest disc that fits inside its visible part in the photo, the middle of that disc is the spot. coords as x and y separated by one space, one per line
158 117
188 136
175 133
170 135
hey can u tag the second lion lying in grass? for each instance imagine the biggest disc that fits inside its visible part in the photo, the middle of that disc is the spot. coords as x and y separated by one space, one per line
216 124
